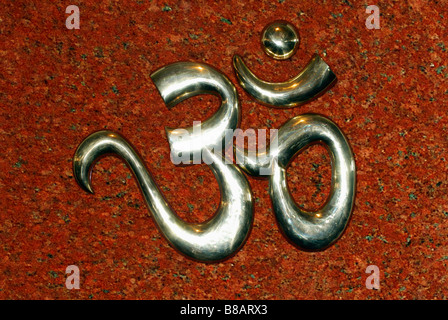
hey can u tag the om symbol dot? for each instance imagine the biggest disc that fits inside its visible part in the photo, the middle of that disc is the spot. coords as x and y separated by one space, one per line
280 40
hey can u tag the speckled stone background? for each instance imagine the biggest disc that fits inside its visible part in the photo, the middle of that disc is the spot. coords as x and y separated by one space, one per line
57 86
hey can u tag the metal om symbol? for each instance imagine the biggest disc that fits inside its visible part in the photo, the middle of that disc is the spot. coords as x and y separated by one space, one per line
223 234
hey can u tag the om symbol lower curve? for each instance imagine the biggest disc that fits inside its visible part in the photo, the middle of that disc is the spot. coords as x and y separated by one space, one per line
225 233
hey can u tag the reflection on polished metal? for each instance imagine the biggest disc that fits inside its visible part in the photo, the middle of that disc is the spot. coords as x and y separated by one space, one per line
280 40
212 240
182 80
308 230
314 79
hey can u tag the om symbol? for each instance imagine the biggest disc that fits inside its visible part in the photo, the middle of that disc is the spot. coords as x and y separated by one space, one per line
225 233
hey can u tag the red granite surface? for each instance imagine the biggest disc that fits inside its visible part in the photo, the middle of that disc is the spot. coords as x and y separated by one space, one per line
57 86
